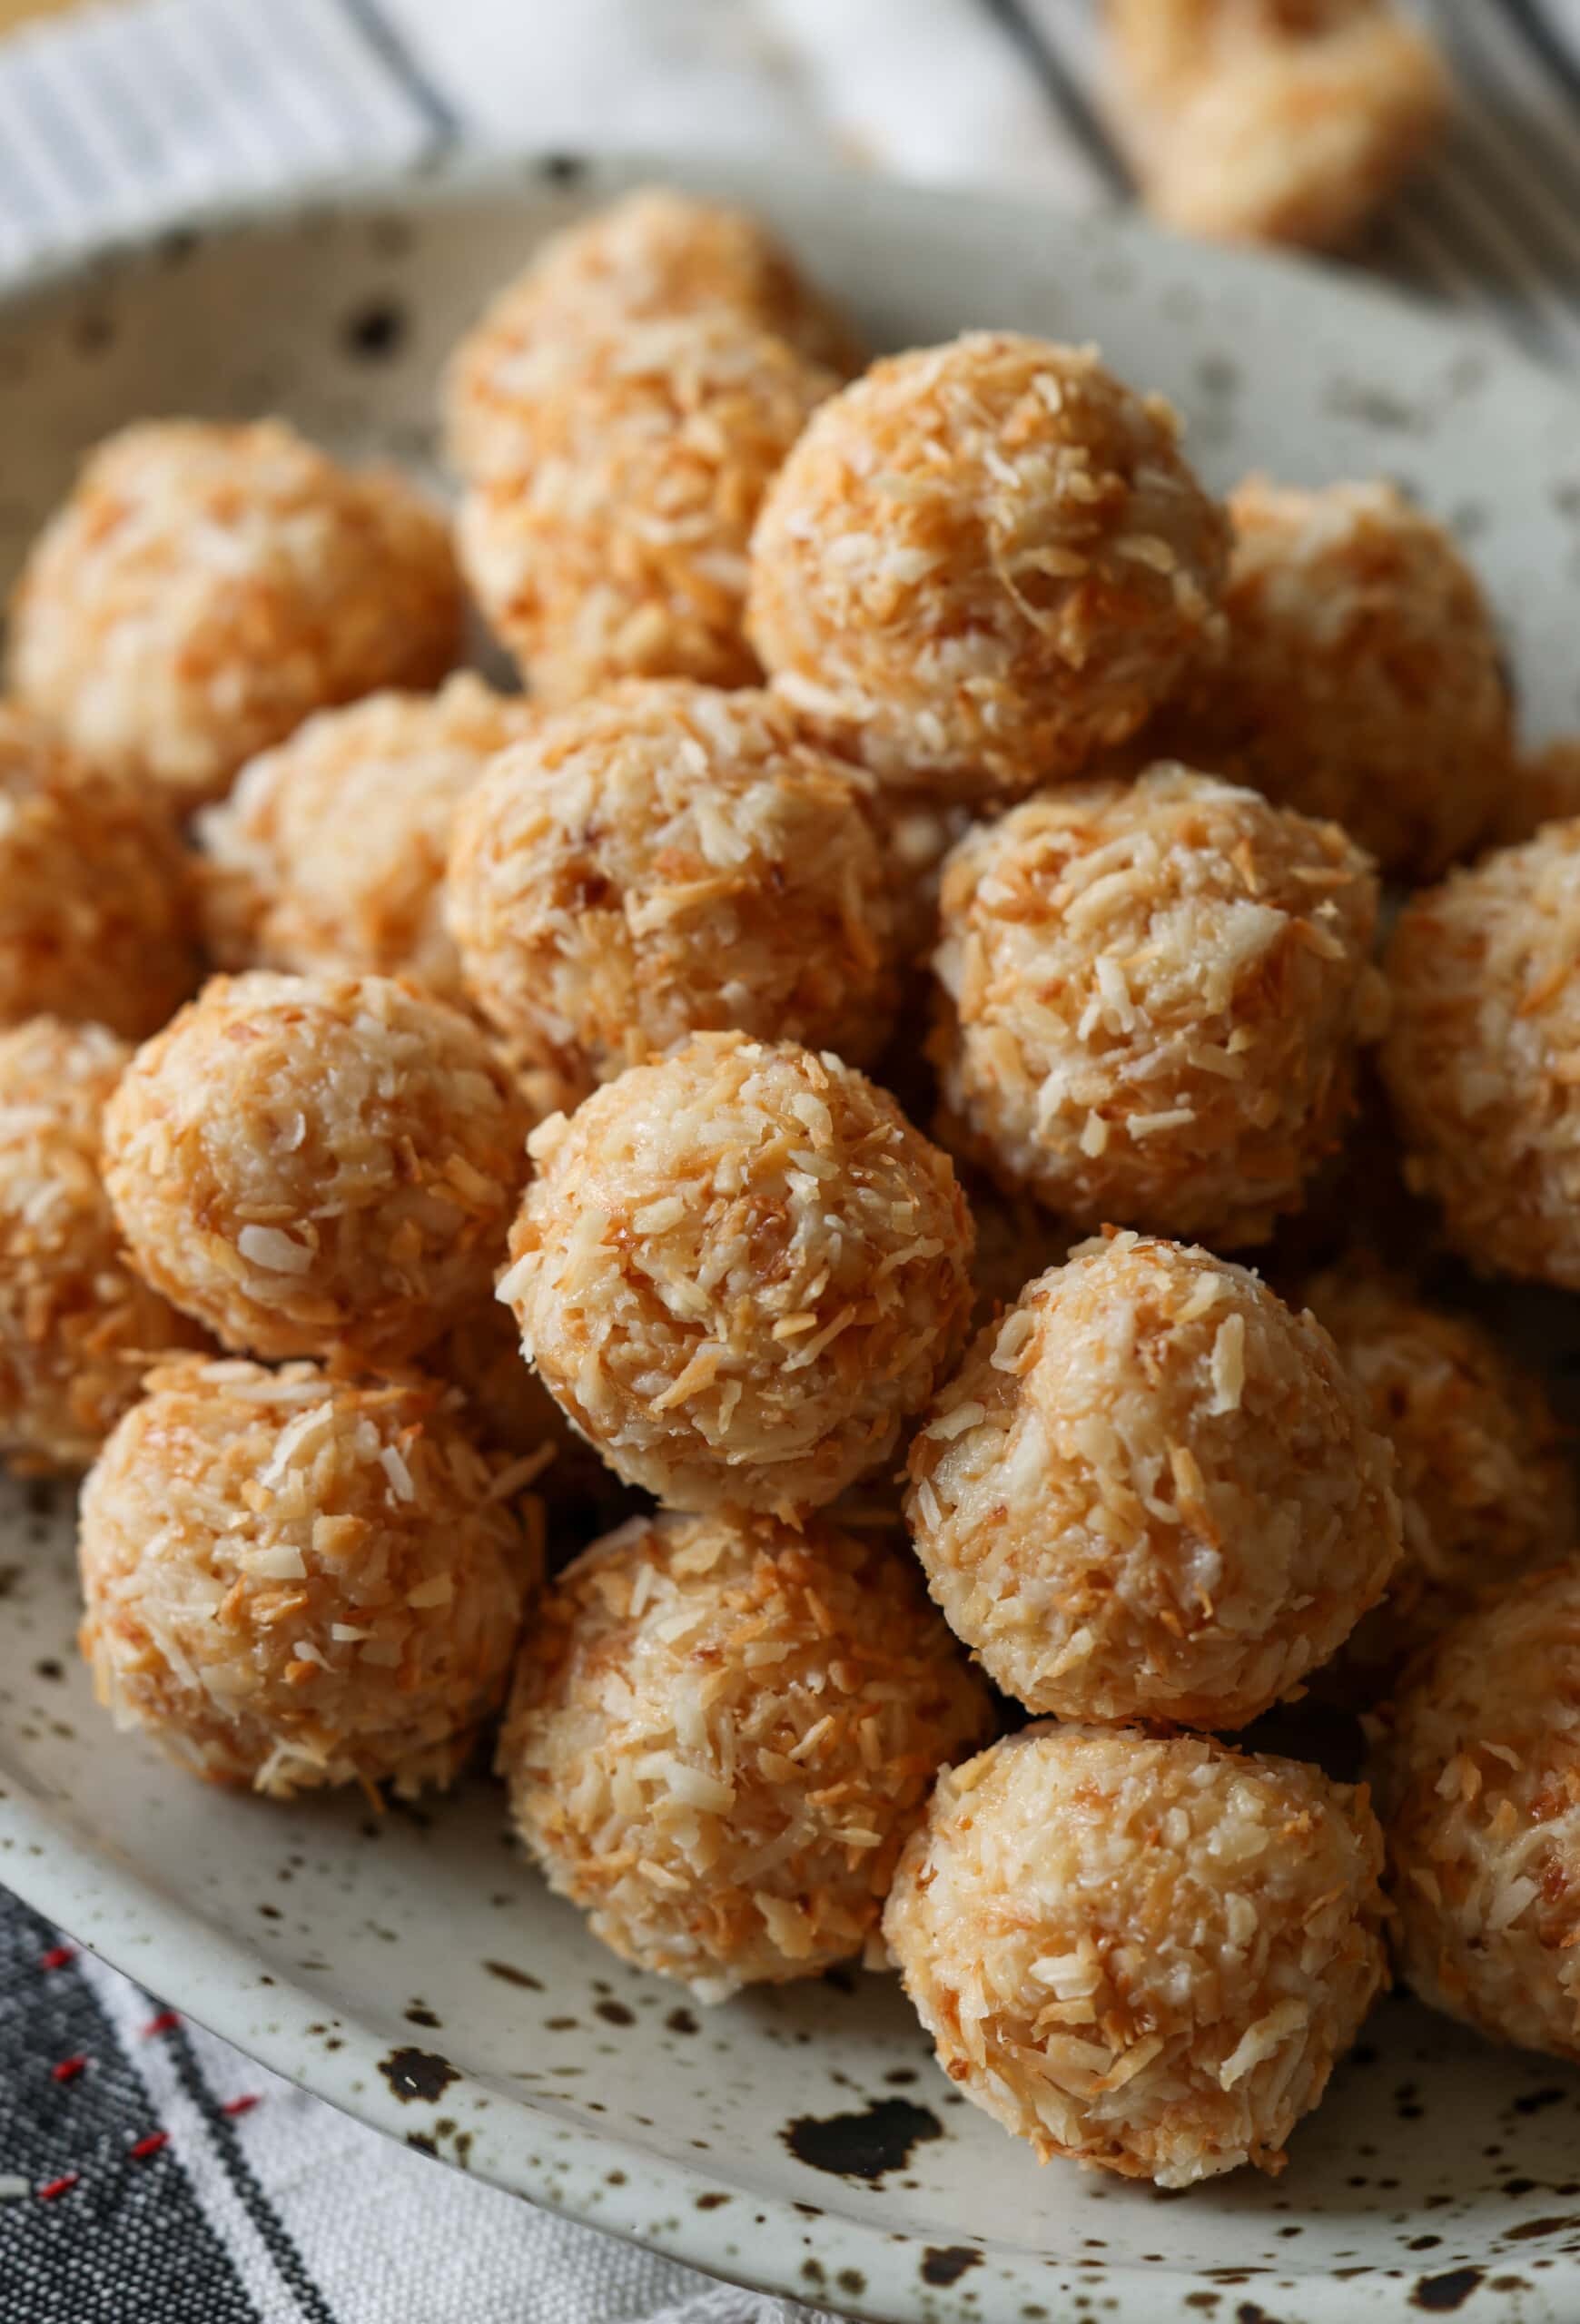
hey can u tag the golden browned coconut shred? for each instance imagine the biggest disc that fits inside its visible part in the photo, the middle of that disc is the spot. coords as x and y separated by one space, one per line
723 1731
924 749
78 1325
657 254
294 1581
1482 1060
97 914
1479 1781
1143 1952
740 1270
983 563
331 851
314 1166
204 587
615 545
1151 1491
1153 996
666 858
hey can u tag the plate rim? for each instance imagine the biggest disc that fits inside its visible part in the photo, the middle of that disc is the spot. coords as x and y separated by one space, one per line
55 1870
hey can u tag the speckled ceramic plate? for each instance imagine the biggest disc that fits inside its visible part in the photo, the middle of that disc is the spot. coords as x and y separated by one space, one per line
413 1969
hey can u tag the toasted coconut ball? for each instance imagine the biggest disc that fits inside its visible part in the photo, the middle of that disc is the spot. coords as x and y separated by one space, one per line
982 563
1266 122
1484 1477
1545 788
314 1165
1481 1061
1145 1953
1153 995
739 1270
664 859
1360 678
292 1581
96 919
331 851
615 543
205 588
1479 1784
77 1327
653 256
721 1735
1151 1491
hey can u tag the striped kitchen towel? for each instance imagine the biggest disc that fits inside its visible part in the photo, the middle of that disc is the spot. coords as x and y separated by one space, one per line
149 2174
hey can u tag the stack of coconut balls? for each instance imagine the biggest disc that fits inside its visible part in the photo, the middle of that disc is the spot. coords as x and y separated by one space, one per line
554 1151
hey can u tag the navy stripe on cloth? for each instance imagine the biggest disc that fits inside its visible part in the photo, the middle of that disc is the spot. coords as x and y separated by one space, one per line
395 52
1070 100
277 2241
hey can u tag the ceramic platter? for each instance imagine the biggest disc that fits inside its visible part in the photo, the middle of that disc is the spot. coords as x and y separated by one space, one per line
413 1969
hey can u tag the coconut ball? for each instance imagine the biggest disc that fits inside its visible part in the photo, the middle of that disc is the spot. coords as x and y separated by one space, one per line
1142 1952
653 256
1478 1783
317 1164
1268 122
664 860
721 1734
77 1328
96 919
739 1270
330 853
1483 1473
1360 676
294 1581
981 564
614 544
1154 995
1151 1491
1481 1061
206 586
